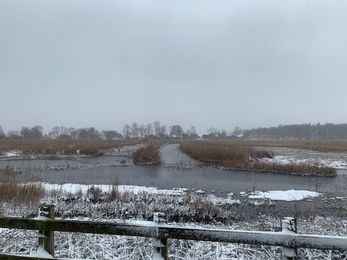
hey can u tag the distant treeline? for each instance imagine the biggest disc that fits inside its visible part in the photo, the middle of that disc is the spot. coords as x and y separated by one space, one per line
130 131
299 132
157 131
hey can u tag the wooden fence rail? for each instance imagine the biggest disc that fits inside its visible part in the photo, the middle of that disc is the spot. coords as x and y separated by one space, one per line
286 238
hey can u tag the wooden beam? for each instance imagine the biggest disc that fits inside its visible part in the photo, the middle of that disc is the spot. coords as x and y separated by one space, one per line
169 231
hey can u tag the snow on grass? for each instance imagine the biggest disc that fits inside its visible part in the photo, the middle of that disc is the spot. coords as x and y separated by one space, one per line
75 188
13 153
319 162
127 150
287 195
95 246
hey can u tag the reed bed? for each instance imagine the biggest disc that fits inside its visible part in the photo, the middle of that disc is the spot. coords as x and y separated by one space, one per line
62 147
300 168
149 154
223 153
18 189
242 155
314 145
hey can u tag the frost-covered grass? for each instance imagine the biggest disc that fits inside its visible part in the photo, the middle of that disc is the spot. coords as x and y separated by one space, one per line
133 204
94 246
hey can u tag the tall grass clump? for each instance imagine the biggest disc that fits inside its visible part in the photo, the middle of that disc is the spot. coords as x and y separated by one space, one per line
223 153
114 193
20 190
147 155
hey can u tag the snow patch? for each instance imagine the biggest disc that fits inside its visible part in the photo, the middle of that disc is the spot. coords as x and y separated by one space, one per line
287 195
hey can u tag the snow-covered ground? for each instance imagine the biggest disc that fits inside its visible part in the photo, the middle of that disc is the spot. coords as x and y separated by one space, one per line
337 160
138 202
287 195
72 201
94 246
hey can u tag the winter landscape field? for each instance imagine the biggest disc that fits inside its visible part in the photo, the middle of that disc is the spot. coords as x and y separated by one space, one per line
191 120
319 208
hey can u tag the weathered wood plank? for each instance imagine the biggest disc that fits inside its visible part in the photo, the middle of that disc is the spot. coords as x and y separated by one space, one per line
168 231
26 257
79 227
256 238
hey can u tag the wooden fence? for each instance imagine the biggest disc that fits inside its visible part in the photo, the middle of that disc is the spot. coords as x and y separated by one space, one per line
161 232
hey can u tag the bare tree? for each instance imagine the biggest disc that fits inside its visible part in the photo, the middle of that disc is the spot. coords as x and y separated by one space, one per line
111 135
162 133
92 133
237 131
14 135
149 130
135 130
2 134
192 130
156 126
55 132
176 131
142 130
126 131
34 133
191 133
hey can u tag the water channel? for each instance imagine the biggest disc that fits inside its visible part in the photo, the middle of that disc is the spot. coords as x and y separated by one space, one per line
177 171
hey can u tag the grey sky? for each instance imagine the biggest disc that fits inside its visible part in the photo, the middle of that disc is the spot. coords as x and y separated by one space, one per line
211 63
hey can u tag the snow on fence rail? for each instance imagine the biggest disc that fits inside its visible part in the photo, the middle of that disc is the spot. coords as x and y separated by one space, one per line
161 232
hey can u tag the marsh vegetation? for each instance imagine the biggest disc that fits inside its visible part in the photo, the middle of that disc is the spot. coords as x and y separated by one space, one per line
246 155
232 154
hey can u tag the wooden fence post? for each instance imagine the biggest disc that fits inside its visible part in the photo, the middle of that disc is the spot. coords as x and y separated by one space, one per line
288 225
46 238
161 246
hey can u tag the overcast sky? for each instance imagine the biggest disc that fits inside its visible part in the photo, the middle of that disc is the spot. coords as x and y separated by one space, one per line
211 63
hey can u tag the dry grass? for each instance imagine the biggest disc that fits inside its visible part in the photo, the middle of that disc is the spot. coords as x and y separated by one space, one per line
242 156
316 145
19 189
149 155
62 147
301 168
53 148
223 153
